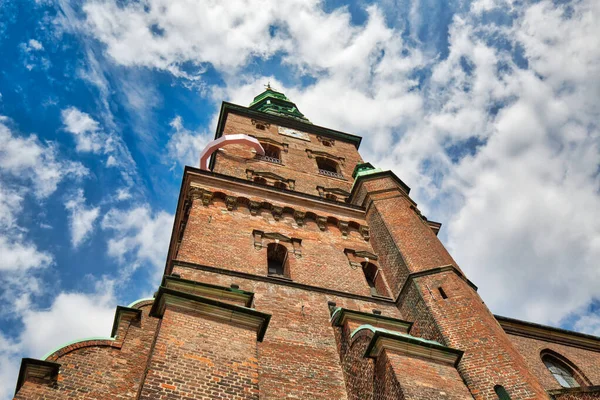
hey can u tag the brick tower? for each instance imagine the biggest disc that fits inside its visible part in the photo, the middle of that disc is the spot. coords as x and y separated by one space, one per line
307 273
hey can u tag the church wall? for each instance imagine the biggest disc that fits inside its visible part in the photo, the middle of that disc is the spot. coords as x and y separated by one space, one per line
223 239
299 355
586 361
100 372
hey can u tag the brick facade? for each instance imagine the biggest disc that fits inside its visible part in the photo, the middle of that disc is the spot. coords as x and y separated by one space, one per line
222 327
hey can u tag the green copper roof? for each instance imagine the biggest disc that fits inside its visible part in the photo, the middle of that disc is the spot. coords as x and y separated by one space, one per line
273 102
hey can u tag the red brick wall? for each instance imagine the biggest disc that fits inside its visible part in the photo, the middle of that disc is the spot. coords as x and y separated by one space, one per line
223 239
100 372
422 379
586 361
196 357
299 356
296 164
463 320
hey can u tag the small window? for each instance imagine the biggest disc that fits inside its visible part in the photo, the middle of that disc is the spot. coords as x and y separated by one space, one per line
561 371
442 293
272 153
280 185
277 260
259 180
501 392
370 270
326 143
331 196
260 126
328 167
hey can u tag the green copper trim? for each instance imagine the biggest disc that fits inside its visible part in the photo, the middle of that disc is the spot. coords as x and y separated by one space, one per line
399 334
273 102
133 303
93 338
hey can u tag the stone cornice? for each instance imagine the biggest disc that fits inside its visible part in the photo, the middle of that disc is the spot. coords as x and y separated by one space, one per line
397 342
432 271
574 391
278 281
237 315
119 313
208 290
548 333
43 370
341 315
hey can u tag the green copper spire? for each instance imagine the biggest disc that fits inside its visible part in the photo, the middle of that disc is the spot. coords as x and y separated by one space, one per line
273 102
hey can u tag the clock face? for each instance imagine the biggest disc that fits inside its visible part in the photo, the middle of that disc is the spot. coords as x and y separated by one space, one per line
294 133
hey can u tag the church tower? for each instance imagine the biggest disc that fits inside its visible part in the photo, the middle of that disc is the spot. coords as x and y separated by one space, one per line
297 270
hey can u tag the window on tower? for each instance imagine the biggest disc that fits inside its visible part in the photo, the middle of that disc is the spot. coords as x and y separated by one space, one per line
272 153
277 260
328 167
564 374
371 275
258 179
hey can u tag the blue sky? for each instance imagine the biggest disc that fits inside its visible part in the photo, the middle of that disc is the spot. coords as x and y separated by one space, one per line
488 109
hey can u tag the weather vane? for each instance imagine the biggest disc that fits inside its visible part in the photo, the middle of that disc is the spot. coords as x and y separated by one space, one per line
268 86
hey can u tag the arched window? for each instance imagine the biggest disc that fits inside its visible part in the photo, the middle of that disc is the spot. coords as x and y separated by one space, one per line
331 196
258 179
277 260
371 271
561 371
501 392
272 153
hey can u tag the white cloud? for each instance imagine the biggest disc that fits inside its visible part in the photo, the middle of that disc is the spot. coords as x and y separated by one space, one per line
71 316
184 146
18 255
90 138
500 141
28 159
141 237
81 218
35 45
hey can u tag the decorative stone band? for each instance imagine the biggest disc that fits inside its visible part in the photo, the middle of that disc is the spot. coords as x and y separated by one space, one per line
46 371
384 339
207 290
547 333
341 315
230 313
583 392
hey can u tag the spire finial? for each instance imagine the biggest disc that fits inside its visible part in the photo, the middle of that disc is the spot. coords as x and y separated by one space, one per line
268 86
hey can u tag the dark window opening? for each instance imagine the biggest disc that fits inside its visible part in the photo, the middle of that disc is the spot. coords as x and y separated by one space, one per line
331 196
277 259
442 293
260 126
258 179
280 185
272 153
328 167
371 271
561 372
501 392
326 143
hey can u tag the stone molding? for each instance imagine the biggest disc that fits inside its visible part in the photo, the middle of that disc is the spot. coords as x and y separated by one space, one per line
237 315
208 290
46 371
342 315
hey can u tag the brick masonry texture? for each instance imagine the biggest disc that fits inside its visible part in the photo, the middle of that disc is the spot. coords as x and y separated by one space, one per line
183 352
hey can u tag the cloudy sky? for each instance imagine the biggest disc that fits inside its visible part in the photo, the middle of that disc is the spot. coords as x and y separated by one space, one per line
488 109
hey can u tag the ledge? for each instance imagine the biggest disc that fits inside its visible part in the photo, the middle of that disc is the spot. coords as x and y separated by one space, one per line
341 315
384 339
548 333
32 368
209 290
576 390
284 282
119 313
246 317
377 175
